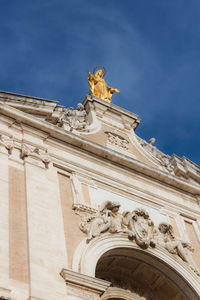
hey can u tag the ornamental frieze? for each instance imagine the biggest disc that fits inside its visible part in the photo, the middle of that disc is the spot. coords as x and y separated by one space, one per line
139 227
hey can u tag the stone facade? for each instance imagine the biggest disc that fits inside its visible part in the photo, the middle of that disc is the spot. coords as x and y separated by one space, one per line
89 210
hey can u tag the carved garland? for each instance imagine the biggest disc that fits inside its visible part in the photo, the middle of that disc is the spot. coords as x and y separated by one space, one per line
139 228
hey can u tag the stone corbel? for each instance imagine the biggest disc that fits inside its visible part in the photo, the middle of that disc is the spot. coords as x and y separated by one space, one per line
42 155
179 169
85 283
46 159
191 170
7 142
25 151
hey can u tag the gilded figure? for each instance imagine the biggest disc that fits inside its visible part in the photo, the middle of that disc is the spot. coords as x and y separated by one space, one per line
98 86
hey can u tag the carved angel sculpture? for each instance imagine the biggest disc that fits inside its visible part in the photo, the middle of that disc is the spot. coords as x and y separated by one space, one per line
107 218
74 118
168 240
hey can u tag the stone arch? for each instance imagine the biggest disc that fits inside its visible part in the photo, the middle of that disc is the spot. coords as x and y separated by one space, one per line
87 256
113 293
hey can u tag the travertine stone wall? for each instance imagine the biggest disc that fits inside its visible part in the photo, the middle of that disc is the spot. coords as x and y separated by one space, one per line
4 220
18 239
73 236
47 249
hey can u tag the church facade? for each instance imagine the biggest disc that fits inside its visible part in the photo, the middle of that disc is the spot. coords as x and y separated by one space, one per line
89 210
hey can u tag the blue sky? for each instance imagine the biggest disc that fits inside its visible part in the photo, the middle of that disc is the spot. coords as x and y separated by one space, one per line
151 50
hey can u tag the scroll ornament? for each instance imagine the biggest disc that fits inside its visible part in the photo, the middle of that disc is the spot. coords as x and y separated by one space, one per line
139 228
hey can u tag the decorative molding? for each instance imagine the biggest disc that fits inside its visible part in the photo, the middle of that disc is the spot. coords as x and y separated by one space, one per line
83 281
99 150
121 293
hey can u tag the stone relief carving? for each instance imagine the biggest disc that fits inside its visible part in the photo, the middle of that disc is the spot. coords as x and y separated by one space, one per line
139 228
173 245
7 142
107 218
117 140
167 239
74 119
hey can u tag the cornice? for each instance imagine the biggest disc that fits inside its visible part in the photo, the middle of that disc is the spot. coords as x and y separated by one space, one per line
10 95
99 150
84 281
29 104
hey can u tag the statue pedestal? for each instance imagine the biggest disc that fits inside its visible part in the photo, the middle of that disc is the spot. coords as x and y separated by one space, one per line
99 110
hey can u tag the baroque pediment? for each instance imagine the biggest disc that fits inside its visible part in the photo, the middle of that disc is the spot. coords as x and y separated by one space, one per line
103 123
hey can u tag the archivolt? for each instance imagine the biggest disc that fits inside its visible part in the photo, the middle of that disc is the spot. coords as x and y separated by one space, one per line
87 255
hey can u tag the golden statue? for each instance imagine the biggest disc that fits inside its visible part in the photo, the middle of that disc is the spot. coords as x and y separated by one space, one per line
98 87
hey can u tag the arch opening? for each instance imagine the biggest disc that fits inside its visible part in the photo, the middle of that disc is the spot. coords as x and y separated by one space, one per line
137 275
